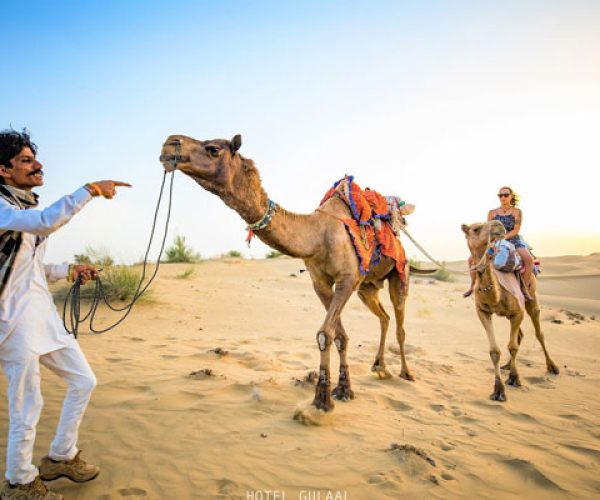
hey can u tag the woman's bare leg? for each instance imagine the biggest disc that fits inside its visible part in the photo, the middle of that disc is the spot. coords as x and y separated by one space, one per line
525 255
472 273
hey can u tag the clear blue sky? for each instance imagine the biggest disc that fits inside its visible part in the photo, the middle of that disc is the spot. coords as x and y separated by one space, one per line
438 102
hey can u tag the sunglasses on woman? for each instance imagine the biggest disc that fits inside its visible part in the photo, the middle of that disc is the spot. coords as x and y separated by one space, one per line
503 195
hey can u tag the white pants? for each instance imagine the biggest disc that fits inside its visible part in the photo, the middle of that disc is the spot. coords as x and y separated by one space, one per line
25 405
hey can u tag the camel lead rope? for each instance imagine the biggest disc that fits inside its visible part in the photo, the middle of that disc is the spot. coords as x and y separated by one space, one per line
421 248
73 297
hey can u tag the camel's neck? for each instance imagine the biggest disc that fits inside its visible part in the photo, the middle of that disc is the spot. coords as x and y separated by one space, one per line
289 233
488 283
292 234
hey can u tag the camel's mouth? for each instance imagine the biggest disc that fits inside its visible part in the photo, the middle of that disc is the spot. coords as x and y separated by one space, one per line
171 157
173 161
497 231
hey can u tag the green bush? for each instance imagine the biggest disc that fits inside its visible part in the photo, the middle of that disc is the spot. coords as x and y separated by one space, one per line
442 274
414 263
180 252
188 273
99 257
233 253
273 254
119 283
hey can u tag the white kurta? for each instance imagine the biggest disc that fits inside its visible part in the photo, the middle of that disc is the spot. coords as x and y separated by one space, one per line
29 321
32 333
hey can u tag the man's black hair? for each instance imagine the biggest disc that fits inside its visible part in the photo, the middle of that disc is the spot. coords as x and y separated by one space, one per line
11 144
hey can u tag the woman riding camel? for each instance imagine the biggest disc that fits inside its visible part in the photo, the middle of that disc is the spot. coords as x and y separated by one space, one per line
511 218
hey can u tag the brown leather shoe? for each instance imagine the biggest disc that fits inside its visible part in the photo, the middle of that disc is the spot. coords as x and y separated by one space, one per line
35 490
76 469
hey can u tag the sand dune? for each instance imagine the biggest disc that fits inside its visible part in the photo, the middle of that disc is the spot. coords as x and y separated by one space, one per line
173 419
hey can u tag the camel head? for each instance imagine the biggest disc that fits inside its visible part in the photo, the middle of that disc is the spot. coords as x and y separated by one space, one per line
480 234
214 164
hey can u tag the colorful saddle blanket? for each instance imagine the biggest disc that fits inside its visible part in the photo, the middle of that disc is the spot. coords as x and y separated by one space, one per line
369 227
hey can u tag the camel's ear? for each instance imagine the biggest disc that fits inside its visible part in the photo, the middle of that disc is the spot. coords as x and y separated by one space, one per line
236 143
465 228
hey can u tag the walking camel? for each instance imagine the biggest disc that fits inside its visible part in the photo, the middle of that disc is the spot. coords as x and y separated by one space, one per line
319 238
492 298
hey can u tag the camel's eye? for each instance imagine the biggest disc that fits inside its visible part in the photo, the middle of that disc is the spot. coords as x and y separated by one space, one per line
476 230
212 151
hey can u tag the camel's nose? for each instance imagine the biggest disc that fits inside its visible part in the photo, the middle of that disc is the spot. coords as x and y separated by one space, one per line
171 154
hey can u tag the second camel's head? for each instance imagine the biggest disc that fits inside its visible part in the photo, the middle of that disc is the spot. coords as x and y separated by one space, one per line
478 235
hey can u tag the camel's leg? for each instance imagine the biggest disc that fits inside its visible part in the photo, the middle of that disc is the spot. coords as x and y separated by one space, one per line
533 309
486 321
519 340
337 300
513 348
343 391
398 295
369 294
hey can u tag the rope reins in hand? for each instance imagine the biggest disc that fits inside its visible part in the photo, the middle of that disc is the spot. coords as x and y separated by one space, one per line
72 318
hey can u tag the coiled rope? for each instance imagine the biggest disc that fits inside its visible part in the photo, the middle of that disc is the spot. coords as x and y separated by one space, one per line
72 318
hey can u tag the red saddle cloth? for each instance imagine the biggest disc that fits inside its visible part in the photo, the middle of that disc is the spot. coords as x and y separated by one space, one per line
369 229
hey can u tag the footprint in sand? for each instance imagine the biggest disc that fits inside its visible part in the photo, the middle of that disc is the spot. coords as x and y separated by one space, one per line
529 472
116 360
447 446
137 339
439 408
132 492
394 404
543 382
169 356
226 486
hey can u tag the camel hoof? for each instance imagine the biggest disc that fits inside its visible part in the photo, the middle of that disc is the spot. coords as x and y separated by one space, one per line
322 399
553 369
326 405
381 371
498 396
342 393
407 376
513 380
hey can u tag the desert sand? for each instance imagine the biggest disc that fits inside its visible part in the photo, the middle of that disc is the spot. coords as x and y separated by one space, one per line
173 419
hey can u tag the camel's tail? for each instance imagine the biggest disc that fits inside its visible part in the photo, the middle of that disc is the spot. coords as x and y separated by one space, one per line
416 270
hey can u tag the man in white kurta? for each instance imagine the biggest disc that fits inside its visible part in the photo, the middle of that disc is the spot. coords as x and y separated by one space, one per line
32 333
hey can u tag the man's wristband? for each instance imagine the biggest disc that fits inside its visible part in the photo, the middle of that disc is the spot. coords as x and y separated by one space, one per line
93 189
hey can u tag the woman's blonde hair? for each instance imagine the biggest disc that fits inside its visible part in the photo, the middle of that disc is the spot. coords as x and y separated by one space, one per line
515 197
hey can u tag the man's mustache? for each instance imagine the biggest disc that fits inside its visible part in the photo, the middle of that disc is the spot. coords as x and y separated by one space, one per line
35 172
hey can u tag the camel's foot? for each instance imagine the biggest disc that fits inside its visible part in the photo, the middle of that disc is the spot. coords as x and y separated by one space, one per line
498 394
506 366
381 370
552 368
406 375
342 393
322 399
514 380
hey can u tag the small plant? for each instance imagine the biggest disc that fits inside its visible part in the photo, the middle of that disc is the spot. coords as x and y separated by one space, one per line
99 257
180 252
188 273
414 263
233 253
119 283
273 254
442 274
